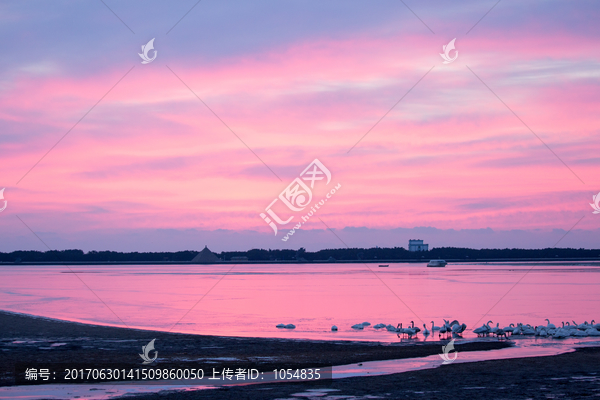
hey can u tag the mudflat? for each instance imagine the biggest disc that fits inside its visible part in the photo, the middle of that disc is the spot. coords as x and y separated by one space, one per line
25 339
573 375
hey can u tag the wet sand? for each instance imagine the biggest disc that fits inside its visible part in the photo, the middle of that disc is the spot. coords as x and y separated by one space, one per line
74 342
567 376
571 375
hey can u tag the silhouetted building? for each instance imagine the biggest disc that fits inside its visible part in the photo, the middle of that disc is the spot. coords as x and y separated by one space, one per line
417 245
206 257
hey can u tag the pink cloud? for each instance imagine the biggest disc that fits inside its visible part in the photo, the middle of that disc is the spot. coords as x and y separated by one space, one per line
450 155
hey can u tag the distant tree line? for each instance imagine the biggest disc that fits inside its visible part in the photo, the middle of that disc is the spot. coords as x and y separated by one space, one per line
94 256
354 254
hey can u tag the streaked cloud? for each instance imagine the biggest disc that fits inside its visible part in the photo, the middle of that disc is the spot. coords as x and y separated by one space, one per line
299 81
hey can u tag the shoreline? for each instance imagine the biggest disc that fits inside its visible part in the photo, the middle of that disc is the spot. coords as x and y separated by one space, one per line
41 339
568 375
589 261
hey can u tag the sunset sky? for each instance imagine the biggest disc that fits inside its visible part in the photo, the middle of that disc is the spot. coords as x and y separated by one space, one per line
151 168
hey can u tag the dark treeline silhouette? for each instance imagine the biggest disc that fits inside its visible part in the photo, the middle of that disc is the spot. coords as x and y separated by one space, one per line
355 254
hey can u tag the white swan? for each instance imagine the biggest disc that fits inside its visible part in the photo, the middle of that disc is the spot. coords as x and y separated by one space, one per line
495 328
288 326
434 328
358 326
334 328
583 326
543 332
592 332
483 329
561 333
399 329
458 329
414 328
518 330
410 332
500 332
425 330
528 330
404 331
550 326
569 326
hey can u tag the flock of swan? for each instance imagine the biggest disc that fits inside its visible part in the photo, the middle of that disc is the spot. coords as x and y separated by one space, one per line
456 329
549 330
450 328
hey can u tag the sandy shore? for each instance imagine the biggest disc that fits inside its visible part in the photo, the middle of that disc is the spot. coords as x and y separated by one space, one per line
566 376
75 342
572 375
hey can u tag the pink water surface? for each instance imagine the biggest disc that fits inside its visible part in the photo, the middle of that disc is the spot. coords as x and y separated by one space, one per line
250 300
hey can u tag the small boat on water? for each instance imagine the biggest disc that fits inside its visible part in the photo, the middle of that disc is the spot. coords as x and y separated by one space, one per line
383 265
437 263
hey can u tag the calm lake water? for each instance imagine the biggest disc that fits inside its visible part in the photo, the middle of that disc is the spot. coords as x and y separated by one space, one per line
250 300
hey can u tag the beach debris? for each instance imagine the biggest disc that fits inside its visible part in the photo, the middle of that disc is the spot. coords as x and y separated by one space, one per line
379 326
334 328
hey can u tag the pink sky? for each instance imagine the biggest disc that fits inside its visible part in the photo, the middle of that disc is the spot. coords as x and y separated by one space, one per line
151 156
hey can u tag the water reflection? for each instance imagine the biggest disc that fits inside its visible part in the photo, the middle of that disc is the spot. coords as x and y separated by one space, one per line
253 299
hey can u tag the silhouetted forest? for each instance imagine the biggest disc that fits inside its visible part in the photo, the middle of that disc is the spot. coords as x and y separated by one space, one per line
372 254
